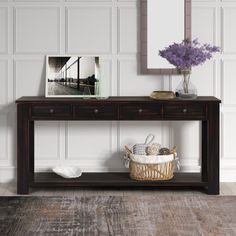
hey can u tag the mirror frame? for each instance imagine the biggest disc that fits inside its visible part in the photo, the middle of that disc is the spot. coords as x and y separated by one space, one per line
187 34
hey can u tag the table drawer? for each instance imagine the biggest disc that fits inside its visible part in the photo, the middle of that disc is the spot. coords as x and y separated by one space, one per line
185 111
52 112
140 112
96 112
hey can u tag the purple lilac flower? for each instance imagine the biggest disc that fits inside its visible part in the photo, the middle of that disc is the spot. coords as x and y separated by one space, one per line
188 53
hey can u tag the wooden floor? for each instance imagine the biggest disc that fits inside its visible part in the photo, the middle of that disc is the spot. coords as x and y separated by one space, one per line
227 189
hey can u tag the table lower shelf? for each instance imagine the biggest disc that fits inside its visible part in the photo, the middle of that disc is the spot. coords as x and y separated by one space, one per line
114 179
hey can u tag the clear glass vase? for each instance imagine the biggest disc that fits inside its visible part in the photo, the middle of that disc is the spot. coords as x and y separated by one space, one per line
186 89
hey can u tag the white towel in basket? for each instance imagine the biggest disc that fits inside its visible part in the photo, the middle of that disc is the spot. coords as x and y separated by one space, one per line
152 159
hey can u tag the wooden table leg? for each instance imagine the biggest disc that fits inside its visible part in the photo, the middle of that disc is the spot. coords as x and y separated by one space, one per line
23 144
204 151
31 150
213 149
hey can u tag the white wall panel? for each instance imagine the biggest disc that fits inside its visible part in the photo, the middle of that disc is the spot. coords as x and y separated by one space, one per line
88 0
36 0
204 78
131 83
4 30
4 82
3 137
229 130
37 30
127 0
30 29
204 1
89 142
89 30
228 30
47 140
229 82
185 135
208 32
29 77
127 30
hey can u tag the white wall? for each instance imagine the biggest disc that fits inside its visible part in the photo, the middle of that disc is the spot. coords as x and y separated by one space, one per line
30 29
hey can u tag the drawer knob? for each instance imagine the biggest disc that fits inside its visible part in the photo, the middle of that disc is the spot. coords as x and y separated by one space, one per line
51 111
96 111
185 110
140 111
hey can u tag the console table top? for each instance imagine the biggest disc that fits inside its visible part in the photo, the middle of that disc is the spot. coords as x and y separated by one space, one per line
113 99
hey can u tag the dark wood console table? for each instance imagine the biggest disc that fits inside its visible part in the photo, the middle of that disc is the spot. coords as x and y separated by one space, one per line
30 109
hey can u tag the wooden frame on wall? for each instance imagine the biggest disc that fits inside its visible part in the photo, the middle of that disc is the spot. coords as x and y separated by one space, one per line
143 44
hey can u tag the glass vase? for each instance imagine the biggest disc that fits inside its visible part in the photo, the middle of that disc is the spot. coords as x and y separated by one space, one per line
186 89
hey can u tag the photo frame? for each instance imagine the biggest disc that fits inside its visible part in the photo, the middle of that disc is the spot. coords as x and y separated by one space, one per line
72 76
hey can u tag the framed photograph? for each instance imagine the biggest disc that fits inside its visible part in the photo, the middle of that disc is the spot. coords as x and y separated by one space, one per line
72 76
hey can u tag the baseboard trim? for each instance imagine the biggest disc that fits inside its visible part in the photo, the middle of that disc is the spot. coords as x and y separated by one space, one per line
228 174
7 174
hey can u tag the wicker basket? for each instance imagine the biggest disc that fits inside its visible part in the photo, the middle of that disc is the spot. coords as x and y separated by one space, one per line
151 172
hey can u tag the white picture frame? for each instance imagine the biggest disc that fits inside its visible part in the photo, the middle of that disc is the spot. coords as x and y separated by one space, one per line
63 72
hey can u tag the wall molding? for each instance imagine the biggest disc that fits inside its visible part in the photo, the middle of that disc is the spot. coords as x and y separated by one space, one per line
119 26
87 7
6 33
15 39
6 80
7 174
15 81
223 14
69 158
5 156
121 69
58 152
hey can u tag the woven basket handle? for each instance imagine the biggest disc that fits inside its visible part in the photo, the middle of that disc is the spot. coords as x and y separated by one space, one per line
128 151
173 151
149 139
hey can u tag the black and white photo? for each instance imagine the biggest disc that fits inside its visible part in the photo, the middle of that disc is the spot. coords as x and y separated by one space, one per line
72 76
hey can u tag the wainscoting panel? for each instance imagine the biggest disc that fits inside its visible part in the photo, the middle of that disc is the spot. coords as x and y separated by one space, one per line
229 129
36 30
4 30
132 83
90 142
35 0
4 82
228 33
31 29
89 30
208 16
228 81
3 137
47 140
29 77
183 129
127 30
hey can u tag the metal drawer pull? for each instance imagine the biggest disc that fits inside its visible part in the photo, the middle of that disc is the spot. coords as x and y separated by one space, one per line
140 111
96 111
185 110
51 111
